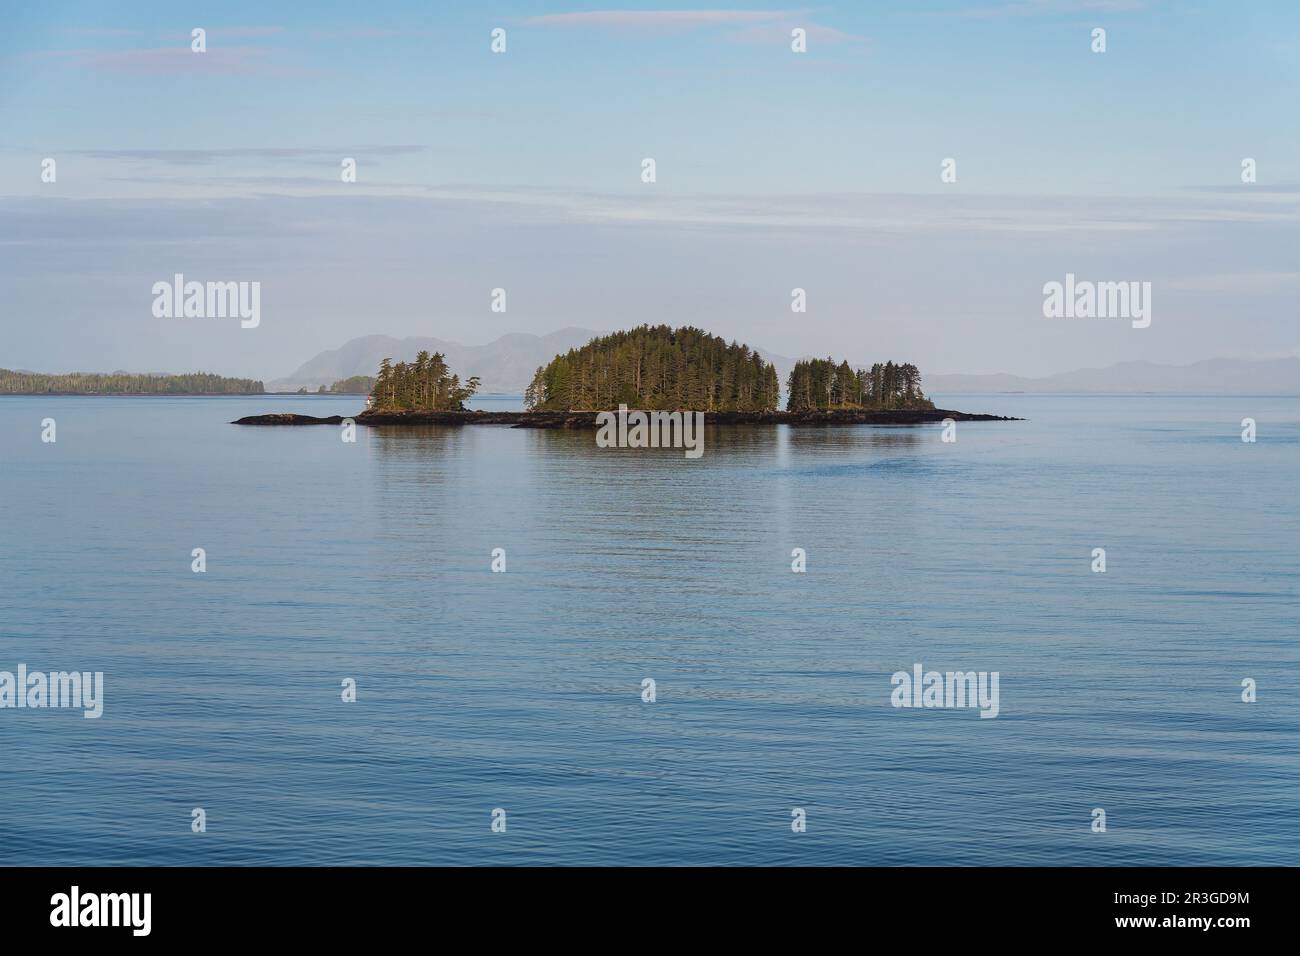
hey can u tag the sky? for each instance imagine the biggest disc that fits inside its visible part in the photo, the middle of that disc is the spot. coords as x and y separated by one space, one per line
774 170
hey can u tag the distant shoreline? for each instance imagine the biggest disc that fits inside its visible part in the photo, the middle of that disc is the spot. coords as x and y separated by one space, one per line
515 396
186 394
587 419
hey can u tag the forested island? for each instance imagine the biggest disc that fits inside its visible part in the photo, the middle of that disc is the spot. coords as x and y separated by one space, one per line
425 385
656 367
353 385
125 383
653 368
821 385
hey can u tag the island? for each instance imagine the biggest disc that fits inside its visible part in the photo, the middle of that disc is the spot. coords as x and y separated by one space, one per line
587 419
653 368
125 383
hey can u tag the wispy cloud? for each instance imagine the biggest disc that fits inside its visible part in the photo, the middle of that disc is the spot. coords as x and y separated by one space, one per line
367 33
1041 8
1240 283
104 31
238 32
654 19
343 263
204 157
876 217
741 26
170 61
220 31
1244 189
882 214
779 34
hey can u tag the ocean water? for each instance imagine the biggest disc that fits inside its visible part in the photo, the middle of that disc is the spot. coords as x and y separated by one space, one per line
522 691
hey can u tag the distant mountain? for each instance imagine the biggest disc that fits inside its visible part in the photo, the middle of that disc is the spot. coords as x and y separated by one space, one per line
1219 376
505 365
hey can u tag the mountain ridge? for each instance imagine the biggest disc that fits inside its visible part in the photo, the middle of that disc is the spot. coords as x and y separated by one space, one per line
506 365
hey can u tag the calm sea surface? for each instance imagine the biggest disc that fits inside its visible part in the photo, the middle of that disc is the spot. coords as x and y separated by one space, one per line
522 690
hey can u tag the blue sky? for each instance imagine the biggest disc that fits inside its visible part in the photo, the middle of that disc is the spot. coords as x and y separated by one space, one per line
775 170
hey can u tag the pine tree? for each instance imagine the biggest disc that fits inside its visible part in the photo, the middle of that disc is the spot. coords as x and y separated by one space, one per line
424 385
655 367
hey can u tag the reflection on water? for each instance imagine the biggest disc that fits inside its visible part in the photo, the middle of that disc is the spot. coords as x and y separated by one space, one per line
522 690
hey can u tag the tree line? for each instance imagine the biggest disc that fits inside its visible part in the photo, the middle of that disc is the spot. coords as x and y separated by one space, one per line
124 383
657 367
425 385
820 384
354 385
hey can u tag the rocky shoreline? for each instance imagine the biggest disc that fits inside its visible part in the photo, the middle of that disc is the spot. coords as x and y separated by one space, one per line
588 419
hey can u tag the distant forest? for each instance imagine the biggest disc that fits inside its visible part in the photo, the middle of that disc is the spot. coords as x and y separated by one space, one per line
122 383
657 367
820 384
354 385
425 385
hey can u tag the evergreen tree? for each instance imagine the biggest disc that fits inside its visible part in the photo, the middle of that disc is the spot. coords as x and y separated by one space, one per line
124 383
820 384
425 385
656 367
